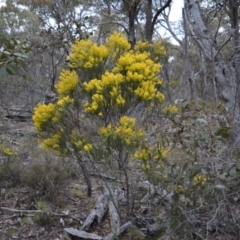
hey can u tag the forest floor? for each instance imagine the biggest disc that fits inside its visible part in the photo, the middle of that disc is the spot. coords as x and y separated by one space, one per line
37 180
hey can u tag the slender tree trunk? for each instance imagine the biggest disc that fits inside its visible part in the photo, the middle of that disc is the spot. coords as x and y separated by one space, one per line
232 10
132 13
148 24
204 74
189 76
85 175
165 72
131 28
223 74
152 20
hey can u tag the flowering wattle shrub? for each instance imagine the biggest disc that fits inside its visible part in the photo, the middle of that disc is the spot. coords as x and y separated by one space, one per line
106 85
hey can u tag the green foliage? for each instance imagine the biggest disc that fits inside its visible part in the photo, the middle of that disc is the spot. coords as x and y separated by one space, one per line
134 234
13 54
46 178
43 219
77 194
11 231
199 174
43 206
76 191
9 172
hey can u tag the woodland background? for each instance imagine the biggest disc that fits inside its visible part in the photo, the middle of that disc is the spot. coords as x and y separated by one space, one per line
201 76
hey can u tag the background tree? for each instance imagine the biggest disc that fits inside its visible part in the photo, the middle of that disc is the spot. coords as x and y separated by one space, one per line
222 69
13 54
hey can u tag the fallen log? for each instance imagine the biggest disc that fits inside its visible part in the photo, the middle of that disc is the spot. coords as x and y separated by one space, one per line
98 212
104 176
153 228
8 211
158 192
18 113
82 234
151 191
113 214
164 195
119 231
19 118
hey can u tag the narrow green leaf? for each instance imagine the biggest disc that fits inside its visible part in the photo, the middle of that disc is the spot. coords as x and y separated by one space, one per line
9 71
18 54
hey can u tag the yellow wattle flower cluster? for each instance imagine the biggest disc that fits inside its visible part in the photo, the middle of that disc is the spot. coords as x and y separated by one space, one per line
105 92
199 180
134 62
79 144
161 153
146 167
141 75
159 49
147 91
87 147
171 109
68 82
42 115
156 50
118 44
49 113
65 101
126 130
149 153
86 54
143 46
179 188
7 151
150 156
52 143
106 131
134 77
142 154
126 127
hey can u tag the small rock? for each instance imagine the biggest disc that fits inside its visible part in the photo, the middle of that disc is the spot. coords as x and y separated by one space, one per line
3 191
9 222
62 222
19 221
41 231
32 233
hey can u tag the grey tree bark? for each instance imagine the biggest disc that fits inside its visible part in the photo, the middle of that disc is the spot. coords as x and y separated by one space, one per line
231 7
132 12
151 19
188 73
225 75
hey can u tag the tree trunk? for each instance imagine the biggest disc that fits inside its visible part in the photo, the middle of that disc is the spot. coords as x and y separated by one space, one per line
166 77
204 76
85 175
225 79
189 76
152 20
132 13
148 24
232 10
